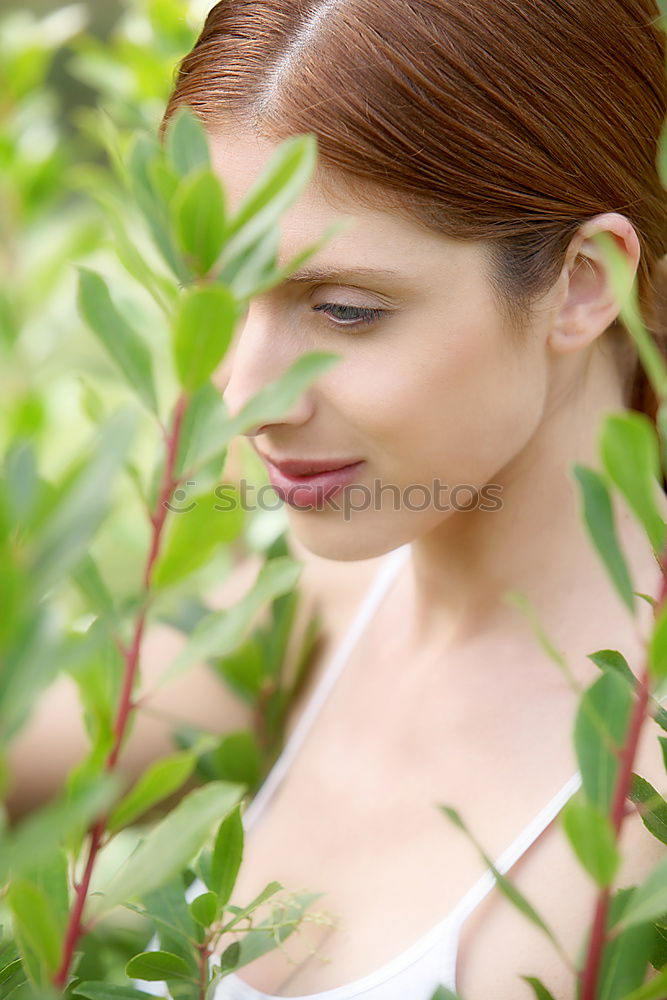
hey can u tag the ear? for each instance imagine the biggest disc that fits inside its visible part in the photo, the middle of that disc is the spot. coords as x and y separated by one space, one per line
590 303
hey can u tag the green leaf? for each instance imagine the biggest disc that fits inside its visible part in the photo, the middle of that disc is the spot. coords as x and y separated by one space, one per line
538 988
204 908
611 659
168 911
601 726
199 213
653 808
193 534
169 846
592 836
90 582
186 143
51 876
254 277
240 913
144 153
650 356
660 716
281 182
626 956
11 978
98 675
162 289
204 418
656 989
658 957
108 991
442 993
657 652
30 660
631 457
156 966
599 519
270 403
164 182
275 400
160 780
648 900
21 480
38 838
524 604
243 669
227 856
661 416
221 632
238 757
203 330
34 918
254 267
122 343
509 890
230 956
83 505
269 933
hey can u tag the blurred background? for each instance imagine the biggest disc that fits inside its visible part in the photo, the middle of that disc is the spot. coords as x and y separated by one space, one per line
77 81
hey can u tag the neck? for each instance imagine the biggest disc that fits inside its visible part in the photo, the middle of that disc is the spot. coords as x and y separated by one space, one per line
536 543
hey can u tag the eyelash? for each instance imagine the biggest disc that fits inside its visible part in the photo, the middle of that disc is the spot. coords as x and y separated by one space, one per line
366 316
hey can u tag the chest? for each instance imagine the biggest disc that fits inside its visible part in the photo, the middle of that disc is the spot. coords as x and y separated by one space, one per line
356 816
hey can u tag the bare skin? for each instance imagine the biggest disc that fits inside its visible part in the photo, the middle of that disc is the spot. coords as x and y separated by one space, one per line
356 816
447 698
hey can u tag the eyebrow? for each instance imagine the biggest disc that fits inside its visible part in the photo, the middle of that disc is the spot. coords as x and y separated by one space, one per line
314 274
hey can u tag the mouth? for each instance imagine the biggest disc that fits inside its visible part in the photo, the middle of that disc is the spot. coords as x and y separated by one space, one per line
314 488
300 468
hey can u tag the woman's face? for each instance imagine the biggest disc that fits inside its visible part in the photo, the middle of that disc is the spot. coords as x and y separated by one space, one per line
432 395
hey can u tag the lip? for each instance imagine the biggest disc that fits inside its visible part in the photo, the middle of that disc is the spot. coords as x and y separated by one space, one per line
311 490
301 467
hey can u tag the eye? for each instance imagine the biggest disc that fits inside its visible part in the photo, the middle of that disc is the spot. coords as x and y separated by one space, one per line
349 315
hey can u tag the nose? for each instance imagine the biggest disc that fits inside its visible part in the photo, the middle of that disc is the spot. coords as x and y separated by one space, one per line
260 353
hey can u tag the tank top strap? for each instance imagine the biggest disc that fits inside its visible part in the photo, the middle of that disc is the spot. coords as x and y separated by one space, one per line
516 849
386 574
520 845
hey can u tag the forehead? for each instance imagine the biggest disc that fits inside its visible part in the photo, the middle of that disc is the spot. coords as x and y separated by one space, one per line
373 237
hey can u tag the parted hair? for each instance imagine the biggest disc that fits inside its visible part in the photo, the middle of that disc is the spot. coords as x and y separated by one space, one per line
494 120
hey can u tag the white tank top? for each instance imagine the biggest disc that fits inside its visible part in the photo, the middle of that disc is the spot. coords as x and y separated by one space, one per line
431 960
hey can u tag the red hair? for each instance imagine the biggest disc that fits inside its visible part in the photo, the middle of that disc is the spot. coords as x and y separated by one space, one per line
510 123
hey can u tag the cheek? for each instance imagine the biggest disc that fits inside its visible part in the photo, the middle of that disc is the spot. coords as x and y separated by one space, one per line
475 418
457 408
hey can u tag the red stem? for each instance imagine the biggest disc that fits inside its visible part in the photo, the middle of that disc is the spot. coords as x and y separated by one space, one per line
75 920
204 955
75 927
627 754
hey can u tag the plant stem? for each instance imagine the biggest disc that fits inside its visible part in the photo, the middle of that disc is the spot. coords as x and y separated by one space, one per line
75 927
76 916
598 938
204 955
627 754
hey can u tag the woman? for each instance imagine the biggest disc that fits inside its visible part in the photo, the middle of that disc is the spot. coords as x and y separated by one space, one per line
479 149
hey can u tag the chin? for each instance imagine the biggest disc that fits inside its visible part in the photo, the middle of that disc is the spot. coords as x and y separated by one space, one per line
342 541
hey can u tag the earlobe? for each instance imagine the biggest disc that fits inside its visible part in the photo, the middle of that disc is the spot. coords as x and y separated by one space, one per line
573 333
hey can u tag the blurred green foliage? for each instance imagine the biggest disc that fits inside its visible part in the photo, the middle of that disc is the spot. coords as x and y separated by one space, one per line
104 231
95 434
